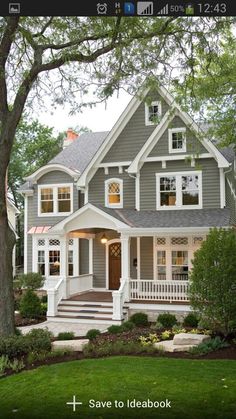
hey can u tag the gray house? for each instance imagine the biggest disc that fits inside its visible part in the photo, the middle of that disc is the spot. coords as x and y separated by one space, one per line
113 221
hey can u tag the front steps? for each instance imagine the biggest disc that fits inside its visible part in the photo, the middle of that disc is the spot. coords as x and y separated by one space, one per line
74 311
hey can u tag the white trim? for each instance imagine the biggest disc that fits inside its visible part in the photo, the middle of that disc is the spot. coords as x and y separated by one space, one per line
222 187
163 164
91 256
125 257
120 170
168 231
114 164
138 258
49 168
86 195
107 182
172 131
137 192
25 235
108 243
59 227
154 103
231 189
111 137
106 170
178 176
55 187
177 157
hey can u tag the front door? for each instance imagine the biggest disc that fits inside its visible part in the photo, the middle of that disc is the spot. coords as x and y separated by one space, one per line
114 266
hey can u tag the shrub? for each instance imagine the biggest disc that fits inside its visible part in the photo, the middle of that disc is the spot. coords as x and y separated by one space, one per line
213 280
30 305
44 308
92 334
139 319
44 299
165 335
210 346
39 340
190 320
4 364
178 329
149 340
114 328
35 340
65 336
156 326
127 326
167 320
32 280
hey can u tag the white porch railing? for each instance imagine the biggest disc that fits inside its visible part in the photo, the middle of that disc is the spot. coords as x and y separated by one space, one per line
158 290
77 284
55 295
119 297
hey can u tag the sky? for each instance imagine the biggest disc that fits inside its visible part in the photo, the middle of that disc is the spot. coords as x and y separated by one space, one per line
100 118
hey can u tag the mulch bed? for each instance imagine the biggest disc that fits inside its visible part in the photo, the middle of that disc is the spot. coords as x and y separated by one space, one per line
20 321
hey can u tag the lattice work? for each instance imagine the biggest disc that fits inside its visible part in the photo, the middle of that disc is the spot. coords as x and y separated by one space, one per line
41 242
71 242
114 188
179 240
161 241
115 250
198 240
54 242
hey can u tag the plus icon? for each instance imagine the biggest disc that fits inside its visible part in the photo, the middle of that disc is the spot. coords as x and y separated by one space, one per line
74 403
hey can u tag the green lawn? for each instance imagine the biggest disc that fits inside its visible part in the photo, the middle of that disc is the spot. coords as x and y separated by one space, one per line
195 388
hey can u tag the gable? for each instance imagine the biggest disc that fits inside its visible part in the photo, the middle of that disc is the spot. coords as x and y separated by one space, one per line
193 144
135 133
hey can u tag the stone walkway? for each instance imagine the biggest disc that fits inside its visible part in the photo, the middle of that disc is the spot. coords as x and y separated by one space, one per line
57 327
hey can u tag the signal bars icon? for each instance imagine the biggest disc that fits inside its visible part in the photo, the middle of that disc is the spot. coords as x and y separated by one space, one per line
164 10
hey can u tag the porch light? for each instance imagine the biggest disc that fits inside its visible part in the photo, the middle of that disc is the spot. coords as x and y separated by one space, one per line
103 239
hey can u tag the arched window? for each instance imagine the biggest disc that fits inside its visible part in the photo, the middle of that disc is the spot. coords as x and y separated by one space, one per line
114 193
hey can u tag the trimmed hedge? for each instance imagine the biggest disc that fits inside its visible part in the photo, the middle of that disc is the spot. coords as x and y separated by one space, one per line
139 319
167 320
36 340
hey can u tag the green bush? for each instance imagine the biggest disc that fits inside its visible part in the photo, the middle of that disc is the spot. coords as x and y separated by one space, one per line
190 320
167 320
36 340
39 340
32 280
44 308
65 336
30 305
139 319
44 299
127 326
210 346
92 334
114 328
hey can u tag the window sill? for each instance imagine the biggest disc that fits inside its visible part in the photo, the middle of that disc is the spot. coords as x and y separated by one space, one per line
173 207
57 214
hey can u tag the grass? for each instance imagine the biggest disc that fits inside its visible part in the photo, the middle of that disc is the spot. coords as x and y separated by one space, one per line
196 388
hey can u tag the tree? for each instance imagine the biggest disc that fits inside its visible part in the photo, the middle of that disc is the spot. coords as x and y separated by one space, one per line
213 279
60 56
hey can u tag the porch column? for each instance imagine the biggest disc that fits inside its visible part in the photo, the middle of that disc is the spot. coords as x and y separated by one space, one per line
91 256
64 263
125 263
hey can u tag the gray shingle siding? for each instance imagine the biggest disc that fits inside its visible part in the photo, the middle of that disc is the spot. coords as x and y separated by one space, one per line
83 256
210 181
146 251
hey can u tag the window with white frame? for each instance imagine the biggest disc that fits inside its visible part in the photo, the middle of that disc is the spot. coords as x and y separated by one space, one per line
152 113
114 193
177 140
179 190
55 199
161 264
179 262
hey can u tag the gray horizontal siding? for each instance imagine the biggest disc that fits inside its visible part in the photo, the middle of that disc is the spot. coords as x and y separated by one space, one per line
83 256
210 181
146 255
134 135
97 187
99 258
193 145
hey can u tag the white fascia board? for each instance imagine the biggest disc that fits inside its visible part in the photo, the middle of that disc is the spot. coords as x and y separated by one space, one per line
149 232
49 168
178 157
152 141
59 227
111 138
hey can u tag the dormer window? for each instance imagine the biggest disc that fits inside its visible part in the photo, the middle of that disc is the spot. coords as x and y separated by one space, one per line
152 113
55 200
114 193
177 140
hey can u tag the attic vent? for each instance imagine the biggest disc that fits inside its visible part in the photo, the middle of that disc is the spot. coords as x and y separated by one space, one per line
197 240
179 240
54 242
71 242
41 242
161 241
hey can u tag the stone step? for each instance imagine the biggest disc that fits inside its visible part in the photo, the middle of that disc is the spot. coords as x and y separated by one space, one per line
85 313
87 303
70 307
83 320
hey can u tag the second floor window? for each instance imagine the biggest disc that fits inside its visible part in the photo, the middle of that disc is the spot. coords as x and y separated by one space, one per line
55 199
177 140
114 193
152 113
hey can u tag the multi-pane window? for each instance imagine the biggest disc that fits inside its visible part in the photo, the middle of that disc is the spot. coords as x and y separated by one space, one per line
152 113
190 190
70 263
161 264
168 190
179 190
177 140
114 193
55 200
54 262
47 204
179 265
41 262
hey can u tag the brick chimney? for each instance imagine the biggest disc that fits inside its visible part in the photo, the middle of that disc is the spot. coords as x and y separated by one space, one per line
71 136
